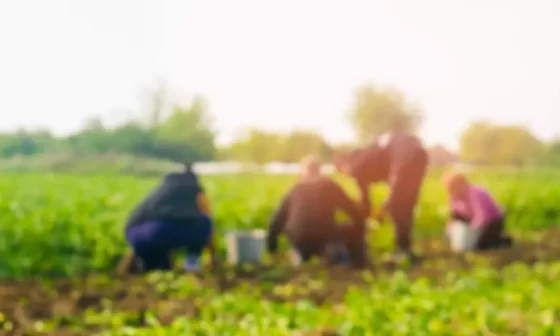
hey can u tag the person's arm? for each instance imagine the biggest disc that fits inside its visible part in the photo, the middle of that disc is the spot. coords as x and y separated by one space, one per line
204 204
458 209
342 201
356 236
358 170
367 166
397 171
366 200
395 183
277 223
481 205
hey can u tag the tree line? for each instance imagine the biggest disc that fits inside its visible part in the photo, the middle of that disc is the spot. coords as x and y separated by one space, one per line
187 133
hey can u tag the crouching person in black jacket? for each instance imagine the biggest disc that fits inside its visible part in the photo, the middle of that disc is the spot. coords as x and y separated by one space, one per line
307 217
176 215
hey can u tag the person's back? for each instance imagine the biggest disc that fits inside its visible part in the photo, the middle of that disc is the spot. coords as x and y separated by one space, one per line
312 207
487 202
307 216
385 157
175 199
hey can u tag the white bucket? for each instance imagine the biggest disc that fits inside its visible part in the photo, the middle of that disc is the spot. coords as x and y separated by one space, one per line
295 258
245 246
462 236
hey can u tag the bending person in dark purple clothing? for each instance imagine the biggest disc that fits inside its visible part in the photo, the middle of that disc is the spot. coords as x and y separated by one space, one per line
174 216
307 216
401 160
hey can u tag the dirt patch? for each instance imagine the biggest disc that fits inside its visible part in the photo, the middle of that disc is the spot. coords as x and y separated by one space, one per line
22 303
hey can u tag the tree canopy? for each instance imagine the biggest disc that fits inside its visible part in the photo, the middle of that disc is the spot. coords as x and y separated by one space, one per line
258 146
376 110
186 132
485 143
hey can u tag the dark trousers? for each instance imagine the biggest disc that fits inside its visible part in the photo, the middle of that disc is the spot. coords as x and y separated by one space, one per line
153 241
492 235
317 245
404 197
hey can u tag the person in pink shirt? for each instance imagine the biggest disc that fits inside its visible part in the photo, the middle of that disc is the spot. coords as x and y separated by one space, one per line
475 205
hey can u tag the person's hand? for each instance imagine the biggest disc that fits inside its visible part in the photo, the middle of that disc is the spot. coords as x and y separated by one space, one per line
378 214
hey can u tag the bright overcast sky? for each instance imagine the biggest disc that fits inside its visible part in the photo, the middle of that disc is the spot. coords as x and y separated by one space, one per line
282 64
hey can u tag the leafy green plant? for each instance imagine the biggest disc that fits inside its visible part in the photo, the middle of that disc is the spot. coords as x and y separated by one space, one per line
60 226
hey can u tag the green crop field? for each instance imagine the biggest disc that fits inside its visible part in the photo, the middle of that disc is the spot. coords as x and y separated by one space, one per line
62 236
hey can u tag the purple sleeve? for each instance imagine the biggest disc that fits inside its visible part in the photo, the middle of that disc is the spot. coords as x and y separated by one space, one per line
483 206
454 204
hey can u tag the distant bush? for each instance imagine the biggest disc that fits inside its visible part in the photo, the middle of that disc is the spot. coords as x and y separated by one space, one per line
87 164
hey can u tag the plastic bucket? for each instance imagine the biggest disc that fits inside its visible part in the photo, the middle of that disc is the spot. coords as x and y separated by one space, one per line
245 246
462 236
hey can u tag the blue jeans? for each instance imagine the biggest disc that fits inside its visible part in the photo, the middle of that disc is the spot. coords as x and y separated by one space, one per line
153 241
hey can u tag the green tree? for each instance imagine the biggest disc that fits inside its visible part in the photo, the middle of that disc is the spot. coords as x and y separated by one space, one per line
484 143
477 143
185 134
93 138
25 142
550 153
133 138
258 146
377 110
255 146
300 143
188 134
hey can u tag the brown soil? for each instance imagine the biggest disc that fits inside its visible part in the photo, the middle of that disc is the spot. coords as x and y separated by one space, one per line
24 302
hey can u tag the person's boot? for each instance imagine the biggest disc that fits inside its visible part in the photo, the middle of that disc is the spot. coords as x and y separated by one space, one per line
332 254
192 263
341 256
506 241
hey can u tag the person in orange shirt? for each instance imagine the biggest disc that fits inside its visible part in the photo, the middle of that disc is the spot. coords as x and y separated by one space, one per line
176 215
